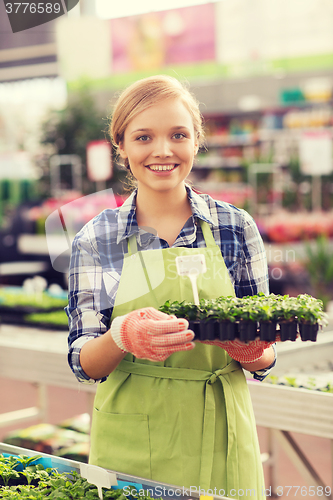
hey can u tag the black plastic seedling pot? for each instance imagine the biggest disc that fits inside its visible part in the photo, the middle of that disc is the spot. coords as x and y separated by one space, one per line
267 330
228 330
195 327
308 332
208 329
288 330
247 330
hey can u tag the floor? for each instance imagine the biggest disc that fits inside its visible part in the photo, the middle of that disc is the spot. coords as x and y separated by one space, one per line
65 403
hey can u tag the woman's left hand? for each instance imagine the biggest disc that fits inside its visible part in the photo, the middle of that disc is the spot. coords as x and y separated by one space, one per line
238 350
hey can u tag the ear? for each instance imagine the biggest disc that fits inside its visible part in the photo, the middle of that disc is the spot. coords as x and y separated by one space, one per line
196 147
122 151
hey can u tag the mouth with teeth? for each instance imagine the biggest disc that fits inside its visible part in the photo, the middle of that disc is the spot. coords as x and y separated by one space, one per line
162 168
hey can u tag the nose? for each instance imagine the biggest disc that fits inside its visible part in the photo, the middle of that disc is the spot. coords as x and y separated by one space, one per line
162 148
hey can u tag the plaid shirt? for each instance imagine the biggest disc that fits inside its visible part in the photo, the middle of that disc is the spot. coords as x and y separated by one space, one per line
97 260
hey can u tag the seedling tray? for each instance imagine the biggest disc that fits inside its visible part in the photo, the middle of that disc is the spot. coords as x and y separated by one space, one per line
269 318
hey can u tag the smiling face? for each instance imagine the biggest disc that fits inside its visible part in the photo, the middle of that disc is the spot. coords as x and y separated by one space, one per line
160 144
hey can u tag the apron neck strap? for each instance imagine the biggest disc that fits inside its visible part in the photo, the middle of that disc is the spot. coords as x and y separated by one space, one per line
206 231
132 245
207 234
133 249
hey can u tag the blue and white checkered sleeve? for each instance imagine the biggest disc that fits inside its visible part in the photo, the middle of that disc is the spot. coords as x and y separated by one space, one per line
262 374
253 276
87 319
74 359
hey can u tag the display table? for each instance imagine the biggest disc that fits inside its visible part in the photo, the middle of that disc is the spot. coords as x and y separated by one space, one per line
40 356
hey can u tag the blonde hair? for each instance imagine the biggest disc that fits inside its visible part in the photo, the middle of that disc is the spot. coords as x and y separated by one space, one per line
145 93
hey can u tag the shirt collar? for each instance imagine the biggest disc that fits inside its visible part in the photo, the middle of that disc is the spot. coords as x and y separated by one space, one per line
199 207
127 223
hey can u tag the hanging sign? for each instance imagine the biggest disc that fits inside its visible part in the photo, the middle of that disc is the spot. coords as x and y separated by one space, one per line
99 161
315 152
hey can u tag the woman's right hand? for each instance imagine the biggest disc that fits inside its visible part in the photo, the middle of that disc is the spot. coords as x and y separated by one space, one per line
150 334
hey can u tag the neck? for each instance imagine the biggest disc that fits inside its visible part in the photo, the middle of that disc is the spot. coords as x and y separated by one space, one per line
161 204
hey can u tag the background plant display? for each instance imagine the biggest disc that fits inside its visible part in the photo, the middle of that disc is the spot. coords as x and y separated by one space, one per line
319 265
39 309
18 299
254 316
23 477
322 382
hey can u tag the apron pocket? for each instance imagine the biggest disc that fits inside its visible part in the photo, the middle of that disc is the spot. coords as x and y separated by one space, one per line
121 442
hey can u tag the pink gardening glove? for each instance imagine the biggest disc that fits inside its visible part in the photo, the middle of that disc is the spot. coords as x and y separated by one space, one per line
150 334
244 353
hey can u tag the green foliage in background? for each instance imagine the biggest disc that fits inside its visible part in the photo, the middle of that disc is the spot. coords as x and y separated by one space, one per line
322 383
51 318
319 264
69 130
43 300
21 478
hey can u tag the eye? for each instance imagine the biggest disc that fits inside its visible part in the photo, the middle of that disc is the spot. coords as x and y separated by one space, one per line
143 138
179 135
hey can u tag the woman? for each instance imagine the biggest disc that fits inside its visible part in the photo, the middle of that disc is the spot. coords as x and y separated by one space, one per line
168 408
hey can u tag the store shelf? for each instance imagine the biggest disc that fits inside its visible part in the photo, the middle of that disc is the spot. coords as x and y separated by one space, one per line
221 141
293 409
287 133
265 132
211 162
305 357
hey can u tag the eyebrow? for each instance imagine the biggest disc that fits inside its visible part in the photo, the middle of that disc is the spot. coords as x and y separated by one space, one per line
178 127
141 130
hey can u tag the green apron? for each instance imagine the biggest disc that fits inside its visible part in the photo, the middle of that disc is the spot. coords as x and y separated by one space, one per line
187 421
